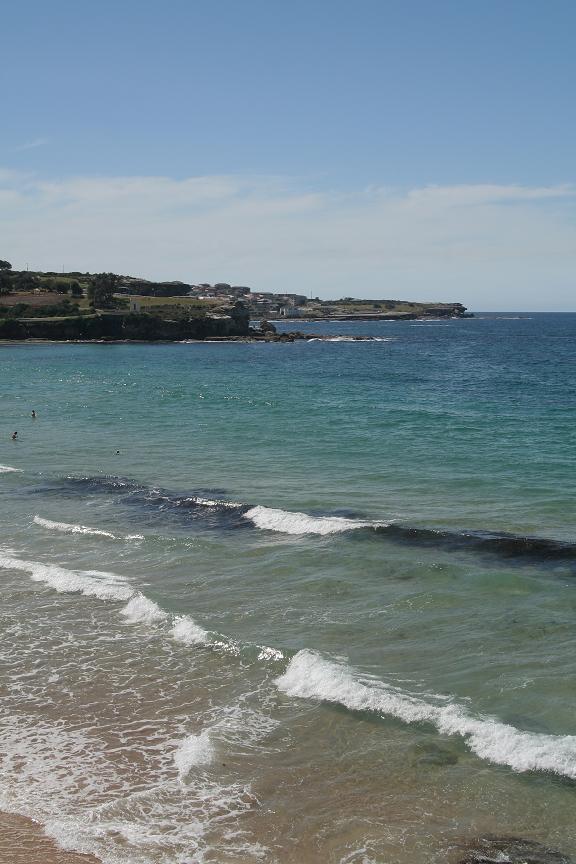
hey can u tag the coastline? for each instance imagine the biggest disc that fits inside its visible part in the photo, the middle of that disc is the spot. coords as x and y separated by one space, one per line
218 340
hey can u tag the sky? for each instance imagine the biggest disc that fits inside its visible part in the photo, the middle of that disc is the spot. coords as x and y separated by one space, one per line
402 149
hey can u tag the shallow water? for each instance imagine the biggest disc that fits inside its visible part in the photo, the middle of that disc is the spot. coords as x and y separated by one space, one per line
319 607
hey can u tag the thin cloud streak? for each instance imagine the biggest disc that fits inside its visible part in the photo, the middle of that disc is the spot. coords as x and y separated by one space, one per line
32 145
489 246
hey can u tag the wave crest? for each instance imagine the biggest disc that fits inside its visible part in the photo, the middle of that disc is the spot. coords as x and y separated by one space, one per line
90 583
311 676
70 528
293 522
193 751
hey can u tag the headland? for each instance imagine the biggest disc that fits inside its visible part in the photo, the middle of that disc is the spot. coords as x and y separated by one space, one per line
106 307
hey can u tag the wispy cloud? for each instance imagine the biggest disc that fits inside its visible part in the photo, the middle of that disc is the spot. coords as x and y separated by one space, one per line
31 145
489 245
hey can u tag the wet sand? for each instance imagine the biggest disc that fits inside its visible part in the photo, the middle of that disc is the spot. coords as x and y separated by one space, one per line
22 841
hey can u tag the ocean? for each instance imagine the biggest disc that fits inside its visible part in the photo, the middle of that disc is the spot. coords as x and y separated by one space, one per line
295 603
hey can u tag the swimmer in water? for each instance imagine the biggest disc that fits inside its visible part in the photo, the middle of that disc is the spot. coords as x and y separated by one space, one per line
14 436
33 415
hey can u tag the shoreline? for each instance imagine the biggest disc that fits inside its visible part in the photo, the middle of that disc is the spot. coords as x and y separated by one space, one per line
23 841
216 340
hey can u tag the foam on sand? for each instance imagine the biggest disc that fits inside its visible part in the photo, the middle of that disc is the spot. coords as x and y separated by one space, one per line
68 528
311 676
287 522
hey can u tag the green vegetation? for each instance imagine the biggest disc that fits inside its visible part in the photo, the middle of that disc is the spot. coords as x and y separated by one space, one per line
349 307
25 310
101 290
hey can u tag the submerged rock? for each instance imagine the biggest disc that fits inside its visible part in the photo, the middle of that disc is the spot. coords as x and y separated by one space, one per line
429 753
510 850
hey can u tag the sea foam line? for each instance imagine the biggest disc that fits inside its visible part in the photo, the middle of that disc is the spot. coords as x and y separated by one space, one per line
352 339
308 675
90 583
311 676
6 469
70 528
288 522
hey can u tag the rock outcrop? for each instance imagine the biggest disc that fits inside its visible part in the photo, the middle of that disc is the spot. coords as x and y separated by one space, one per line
510 850
118 327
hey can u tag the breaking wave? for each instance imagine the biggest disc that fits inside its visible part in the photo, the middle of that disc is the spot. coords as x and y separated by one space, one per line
139 609
289 522
6 469
90 583
185 630
311 676
193 751
68 528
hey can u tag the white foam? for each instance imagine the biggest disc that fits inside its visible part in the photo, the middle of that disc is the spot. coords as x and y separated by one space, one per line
352 339
69 528
185 630
141 610
110 586
193 751
209 502
6 469
288 522
65 778
90 583
267 653
311 676
357 339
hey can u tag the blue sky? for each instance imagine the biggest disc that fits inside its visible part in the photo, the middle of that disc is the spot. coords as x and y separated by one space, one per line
393 149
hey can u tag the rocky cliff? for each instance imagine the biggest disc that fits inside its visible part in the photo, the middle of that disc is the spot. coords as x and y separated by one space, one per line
116 327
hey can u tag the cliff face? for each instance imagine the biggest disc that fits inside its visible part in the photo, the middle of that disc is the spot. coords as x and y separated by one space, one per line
119 327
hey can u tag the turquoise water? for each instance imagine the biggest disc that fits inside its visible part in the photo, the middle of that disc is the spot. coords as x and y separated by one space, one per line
319 606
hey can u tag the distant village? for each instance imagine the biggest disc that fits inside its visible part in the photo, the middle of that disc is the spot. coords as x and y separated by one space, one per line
269 305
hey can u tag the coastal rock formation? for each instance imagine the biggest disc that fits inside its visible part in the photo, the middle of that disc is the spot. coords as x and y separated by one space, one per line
427 754
118 327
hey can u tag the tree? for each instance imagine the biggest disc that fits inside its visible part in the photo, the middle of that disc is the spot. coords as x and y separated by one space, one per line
5 282
75 289
101 289
5 265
